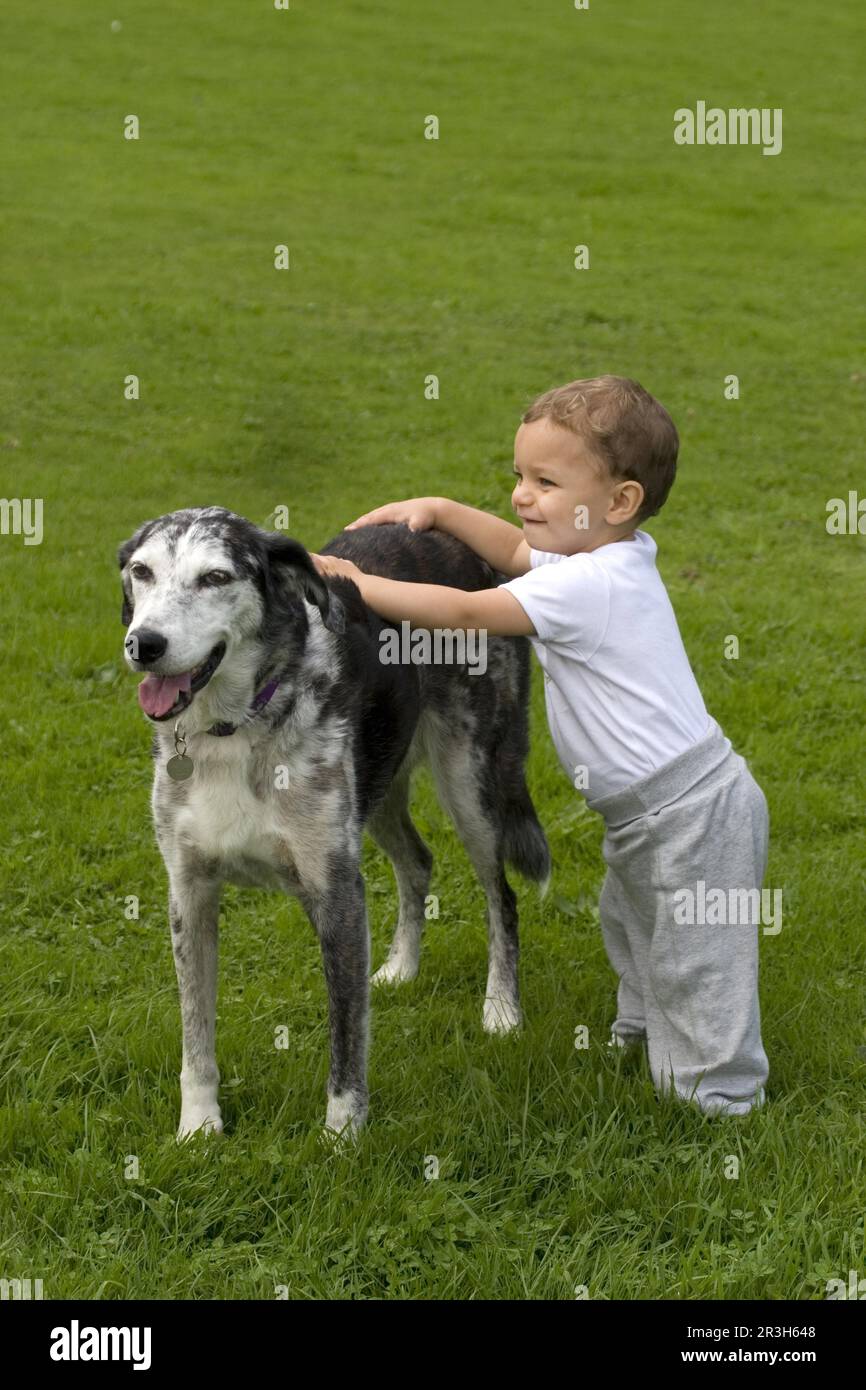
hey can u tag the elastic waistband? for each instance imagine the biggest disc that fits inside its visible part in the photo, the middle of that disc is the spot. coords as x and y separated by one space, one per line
667 783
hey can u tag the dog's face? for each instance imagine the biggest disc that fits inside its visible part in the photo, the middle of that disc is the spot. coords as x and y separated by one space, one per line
198 586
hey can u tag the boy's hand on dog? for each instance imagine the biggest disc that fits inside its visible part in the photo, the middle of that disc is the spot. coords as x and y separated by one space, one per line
334 565
419 514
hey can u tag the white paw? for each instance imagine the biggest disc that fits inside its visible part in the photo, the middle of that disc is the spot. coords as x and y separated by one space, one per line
199 1111
339 1143
193 1118
395 971
501 1015
343 1121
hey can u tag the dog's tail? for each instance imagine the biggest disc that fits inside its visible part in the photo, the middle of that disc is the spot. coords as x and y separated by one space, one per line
524 842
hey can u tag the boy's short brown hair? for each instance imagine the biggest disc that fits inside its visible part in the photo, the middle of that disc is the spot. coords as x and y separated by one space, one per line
628 428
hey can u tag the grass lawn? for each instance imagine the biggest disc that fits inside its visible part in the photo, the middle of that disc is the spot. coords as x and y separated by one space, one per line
558 1168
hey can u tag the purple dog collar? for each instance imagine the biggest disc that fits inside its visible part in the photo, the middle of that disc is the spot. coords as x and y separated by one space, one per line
263 697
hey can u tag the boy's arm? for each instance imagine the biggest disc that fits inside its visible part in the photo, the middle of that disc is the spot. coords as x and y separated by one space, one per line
434 605
496 541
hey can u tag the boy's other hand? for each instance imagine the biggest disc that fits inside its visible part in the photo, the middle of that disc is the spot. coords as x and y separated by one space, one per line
419 514
335 565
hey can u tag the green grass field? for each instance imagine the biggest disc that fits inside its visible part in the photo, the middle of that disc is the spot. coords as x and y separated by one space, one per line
559 1169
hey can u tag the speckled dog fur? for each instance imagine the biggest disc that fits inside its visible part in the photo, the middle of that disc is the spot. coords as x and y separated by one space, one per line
280 796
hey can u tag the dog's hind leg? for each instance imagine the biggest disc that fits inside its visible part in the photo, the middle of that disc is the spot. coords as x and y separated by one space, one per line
392 828
194 920
465 782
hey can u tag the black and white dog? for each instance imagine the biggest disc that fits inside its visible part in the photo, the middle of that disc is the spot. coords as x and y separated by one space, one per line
279 734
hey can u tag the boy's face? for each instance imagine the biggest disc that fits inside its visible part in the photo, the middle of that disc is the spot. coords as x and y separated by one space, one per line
564 495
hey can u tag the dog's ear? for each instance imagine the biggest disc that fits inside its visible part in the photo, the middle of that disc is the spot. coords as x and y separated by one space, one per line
287 557
125 551
123 555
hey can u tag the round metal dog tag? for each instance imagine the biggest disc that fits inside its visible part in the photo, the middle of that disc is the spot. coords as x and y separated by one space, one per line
180 767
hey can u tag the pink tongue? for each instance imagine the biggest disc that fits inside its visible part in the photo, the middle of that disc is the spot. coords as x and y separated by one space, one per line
157 694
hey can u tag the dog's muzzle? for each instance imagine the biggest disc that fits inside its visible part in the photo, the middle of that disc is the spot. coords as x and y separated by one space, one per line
164 697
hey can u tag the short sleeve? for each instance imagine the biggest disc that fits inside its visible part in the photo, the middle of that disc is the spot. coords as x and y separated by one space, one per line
568 603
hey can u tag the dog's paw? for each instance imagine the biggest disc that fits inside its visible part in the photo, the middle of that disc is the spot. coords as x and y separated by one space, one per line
194 1121
342 1142
501 1015
396 971
344 1121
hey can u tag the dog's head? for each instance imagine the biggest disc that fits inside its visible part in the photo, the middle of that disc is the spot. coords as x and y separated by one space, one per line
202 588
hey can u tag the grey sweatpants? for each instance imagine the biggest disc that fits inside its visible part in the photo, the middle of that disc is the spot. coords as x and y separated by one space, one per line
691 989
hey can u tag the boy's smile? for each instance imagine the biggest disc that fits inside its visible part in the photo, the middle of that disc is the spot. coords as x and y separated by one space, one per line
564 494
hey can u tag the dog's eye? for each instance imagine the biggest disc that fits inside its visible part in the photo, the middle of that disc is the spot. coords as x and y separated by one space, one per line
215 577
140 571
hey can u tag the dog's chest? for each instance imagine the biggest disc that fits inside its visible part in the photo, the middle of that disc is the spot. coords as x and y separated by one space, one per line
267 817
228 821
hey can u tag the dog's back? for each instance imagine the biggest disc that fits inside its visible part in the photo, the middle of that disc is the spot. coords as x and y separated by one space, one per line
484 718
415 557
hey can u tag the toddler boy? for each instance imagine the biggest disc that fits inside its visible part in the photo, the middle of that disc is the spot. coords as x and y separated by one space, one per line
682 813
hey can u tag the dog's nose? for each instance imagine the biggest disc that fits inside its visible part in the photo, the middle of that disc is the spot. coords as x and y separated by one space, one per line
145 645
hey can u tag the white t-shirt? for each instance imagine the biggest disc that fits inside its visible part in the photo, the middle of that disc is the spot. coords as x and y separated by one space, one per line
622 699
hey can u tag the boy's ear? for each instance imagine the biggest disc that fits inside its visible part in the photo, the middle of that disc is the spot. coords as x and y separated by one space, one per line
636 494
288 558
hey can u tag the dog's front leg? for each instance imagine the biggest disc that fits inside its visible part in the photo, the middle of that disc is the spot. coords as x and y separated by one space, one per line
339 915
194 920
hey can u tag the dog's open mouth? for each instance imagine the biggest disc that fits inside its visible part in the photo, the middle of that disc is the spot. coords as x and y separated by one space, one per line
161 697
